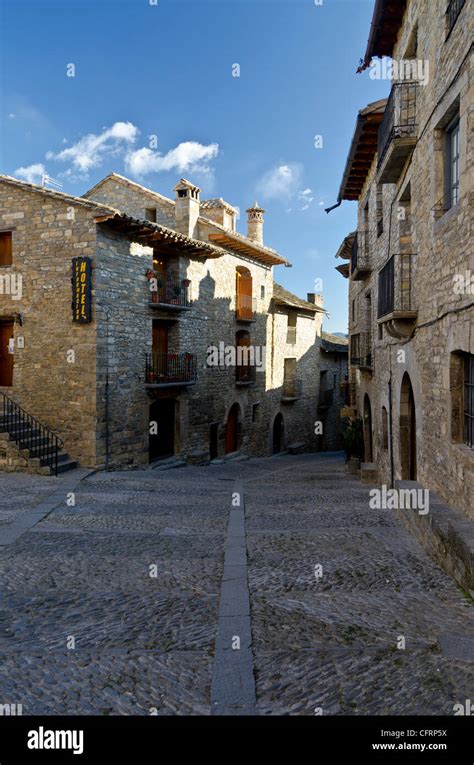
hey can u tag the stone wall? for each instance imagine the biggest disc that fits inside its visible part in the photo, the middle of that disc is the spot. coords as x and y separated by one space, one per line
52 384
441 246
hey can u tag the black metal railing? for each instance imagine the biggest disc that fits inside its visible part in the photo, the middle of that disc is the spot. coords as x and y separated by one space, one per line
170 368
168 290
361 350
292 387
452 12
29 433
245 307
395 285
326 397
354 253
245 373
360 252
399 120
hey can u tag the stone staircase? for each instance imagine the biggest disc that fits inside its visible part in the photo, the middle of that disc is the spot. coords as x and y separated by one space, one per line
26 445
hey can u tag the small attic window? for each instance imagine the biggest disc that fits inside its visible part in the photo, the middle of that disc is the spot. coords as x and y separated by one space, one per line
150 214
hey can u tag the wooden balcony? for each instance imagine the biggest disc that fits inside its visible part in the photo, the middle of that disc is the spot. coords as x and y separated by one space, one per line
396 307
168 292
167 370
398 131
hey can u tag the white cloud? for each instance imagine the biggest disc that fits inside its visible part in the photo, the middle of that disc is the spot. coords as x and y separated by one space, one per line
281 182
12 116
31 173
185 157
91 149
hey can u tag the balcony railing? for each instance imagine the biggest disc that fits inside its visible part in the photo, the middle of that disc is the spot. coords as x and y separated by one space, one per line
395 287
168 291
291 389
326 398
170 369
361 350
291 335
360 265
398 131
245 374
452 12
245 307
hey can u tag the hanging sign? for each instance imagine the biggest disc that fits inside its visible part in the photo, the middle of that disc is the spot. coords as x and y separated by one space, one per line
81 290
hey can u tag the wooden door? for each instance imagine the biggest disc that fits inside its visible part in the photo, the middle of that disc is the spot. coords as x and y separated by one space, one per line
160 337
6 358
231 431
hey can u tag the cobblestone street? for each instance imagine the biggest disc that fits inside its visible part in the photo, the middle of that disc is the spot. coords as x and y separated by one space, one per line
145 642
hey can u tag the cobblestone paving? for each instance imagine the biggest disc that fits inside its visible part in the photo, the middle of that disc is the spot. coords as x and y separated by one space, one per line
144 642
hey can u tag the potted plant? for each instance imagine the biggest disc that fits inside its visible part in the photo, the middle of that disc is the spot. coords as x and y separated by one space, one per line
353 438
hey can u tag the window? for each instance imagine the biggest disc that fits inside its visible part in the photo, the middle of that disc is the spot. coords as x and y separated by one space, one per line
379 212
255 412
462 397
150 214
5 248
384 428
262 291
452 160
291 329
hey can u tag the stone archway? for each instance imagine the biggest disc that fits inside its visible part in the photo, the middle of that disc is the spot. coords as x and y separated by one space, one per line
368 442
278 434
407 430
232 430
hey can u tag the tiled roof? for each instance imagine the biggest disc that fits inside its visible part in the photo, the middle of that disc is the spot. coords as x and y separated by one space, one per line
56 194
126 224
208 204
281 296
132 184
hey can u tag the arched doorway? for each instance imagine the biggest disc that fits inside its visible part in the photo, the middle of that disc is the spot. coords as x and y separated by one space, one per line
278 433
232 429
407 430
368 447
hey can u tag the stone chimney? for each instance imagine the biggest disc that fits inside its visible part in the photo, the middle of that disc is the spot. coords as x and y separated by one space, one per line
316 299
255 223
220 211
186 211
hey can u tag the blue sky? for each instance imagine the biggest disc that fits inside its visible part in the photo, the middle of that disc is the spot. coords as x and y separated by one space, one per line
166 70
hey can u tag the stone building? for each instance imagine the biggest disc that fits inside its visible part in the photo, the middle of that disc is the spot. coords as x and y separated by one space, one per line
333 390
179 343
410 168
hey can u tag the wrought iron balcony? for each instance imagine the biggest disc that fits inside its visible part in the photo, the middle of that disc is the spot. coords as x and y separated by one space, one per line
245 307
395 299
326 398
452 12
291 389
398 131
170 369
361 350
168 291
360 265
245 374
